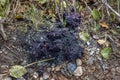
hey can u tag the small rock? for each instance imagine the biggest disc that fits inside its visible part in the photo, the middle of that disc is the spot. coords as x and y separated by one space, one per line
57 68
52 69
35 75
14 38
95 36
113 71
45 76
52 79
41 78
71 67
88 43
0 52
92 51
49 69
78 71
118 69
78 62
30 70
24 62
90 61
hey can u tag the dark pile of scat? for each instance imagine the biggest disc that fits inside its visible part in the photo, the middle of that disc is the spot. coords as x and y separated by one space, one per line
59 43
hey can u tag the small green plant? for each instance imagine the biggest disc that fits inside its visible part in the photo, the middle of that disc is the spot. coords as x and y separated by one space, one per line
34 15
17 71
96 14
84 36
2 2
105 52
2 9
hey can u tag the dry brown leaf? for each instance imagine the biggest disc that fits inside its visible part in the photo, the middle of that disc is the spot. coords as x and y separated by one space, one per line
104 25
101 41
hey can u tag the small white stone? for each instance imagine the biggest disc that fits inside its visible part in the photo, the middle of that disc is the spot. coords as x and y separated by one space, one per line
95 36
45 76
78 71
78 62
88 43
0 51
52 79
57 68
14 38
35 75
41 78
118 69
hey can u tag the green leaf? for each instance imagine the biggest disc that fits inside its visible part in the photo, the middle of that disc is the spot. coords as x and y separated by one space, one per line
84 36
112 16
2 2
105 52
17 71
96 14
97 27
64 4
42 1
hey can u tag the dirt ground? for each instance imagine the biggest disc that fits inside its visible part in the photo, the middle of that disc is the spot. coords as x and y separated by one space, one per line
26 45
95 67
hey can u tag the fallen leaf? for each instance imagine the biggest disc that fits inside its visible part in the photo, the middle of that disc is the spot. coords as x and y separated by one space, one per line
112 17
17 71
105 52
96 14
2 2
101 41
104 25
84 36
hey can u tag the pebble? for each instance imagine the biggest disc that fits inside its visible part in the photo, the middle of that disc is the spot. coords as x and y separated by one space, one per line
78 72
90 61
35 75
95 36
92 50
52 79
88 43
24 62
57 68
49 69
14 38
78 62
118 69
30 70
0 52
41 78
71 67
45 76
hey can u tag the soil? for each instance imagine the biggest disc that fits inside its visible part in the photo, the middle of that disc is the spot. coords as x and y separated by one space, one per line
62 44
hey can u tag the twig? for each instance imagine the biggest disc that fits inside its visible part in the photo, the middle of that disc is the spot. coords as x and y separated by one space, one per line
74 4
2 21
38 62
3 31
106 4
118 6
57 10
87 6
16 56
